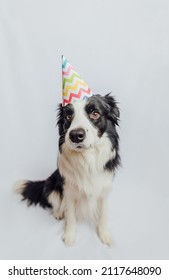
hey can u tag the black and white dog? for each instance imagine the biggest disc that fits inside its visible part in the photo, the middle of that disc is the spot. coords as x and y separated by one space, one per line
88 157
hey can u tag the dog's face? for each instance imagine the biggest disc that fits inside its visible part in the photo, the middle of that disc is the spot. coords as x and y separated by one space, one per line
82 123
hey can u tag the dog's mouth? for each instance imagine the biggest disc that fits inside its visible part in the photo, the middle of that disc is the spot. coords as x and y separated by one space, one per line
78 146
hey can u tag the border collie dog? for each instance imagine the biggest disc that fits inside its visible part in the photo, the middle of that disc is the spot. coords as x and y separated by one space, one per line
87 160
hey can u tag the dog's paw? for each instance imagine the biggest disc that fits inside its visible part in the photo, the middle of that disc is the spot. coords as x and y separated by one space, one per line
69 239
58 215
106 238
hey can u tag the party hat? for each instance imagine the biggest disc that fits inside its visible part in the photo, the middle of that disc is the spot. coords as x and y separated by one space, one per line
74 87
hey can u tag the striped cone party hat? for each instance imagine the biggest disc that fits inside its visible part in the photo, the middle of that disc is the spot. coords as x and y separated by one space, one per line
74 87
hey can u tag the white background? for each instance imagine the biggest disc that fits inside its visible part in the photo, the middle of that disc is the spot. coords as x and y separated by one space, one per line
119 46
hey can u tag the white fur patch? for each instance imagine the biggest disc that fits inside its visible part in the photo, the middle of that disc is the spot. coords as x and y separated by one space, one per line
81 121
86 181
19 186
55 200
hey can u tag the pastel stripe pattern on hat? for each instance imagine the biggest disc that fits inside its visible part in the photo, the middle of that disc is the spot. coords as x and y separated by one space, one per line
73 86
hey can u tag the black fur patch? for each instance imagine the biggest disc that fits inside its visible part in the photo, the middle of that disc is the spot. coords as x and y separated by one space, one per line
94 104
62 122
54 183
33 192
109 119
37 192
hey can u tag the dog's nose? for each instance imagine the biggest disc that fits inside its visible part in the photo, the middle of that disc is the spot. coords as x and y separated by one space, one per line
77 135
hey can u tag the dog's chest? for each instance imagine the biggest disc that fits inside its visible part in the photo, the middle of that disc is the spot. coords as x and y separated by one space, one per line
86 170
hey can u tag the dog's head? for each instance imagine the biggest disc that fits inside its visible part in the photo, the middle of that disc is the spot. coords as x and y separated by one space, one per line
82 123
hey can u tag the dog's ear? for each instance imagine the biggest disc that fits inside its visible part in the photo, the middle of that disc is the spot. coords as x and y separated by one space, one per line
112 108
60 121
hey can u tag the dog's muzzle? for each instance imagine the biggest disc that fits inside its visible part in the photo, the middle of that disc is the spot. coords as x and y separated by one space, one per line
77 135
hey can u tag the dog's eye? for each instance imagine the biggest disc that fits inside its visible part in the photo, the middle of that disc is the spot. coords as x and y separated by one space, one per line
69 117
94 115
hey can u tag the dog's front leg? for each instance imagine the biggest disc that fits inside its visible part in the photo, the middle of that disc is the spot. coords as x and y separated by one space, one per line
103 231
70 222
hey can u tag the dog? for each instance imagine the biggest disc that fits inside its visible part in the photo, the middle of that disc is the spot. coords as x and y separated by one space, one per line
87 160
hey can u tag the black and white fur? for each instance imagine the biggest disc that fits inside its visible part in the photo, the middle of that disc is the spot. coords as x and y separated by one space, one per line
88 157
